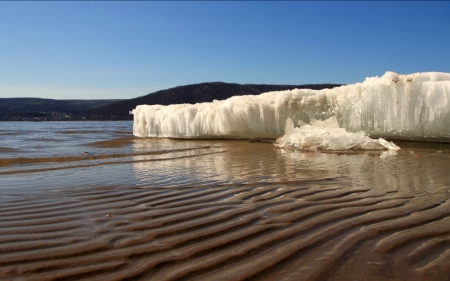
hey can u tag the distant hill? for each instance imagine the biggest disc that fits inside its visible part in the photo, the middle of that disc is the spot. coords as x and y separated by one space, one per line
46 109
196 93
49 109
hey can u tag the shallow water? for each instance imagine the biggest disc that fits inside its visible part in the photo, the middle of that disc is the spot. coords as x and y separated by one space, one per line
165 209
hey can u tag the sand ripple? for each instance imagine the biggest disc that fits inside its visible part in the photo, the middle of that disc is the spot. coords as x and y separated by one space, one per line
320 229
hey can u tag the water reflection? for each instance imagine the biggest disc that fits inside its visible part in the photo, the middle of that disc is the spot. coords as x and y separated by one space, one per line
157 163
244 162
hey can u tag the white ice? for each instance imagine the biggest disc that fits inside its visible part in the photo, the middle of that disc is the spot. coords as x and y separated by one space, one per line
414 106
327 136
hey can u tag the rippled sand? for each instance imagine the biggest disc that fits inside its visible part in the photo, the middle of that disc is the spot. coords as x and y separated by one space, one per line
230 210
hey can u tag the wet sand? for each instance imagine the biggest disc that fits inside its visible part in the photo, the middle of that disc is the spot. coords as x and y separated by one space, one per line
235 211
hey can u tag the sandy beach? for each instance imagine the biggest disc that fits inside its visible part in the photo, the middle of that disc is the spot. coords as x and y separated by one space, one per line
224 141
231 210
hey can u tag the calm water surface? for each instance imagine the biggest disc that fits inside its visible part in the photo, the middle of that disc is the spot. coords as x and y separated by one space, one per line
99 148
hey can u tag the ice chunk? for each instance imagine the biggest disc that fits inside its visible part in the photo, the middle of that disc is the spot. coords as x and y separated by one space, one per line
414 106
327 136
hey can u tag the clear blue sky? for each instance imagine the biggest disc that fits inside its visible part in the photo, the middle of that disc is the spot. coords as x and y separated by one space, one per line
108 50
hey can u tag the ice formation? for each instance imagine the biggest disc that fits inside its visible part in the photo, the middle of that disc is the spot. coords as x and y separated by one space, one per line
327 136
414 106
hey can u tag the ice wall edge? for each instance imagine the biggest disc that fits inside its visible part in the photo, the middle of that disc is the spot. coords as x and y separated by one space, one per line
394 106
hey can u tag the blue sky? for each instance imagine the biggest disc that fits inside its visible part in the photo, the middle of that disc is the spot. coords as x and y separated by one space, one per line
109 50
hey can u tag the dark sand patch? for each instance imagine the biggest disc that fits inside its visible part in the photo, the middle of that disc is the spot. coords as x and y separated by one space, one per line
119 142
84 159
81 132
8 149
78 132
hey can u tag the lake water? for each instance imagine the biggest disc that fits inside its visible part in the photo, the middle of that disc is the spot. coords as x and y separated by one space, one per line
88 200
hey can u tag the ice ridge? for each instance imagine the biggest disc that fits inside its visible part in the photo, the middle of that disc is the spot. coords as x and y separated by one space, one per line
414 106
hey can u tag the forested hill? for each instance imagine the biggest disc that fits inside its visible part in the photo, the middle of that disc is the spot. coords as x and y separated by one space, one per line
48 109
196 93
19 109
